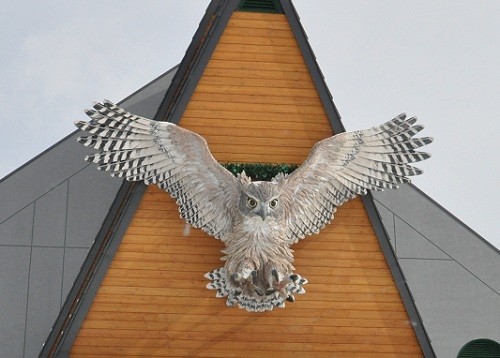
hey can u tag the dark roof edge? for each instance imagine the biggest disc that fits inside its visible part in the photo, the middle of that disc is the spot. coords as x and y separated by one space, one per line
464 225
313 67
93 270
195 60
397 274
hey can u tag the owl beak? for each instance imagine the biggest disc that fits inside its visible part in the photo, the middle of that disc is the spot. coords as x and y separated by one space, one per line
262 212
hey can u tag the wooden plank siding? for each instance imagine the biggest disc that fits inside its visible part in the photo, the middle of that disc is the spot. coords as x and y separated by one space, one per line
254 103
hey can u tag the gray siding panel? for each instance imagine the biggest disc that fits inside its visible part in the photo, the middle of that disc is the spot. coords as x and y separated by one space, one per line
145 101
146 107
73 260
44 296
50 217
14 273
40 176
18 229
444 231
452 273
455 307
411 244
90 196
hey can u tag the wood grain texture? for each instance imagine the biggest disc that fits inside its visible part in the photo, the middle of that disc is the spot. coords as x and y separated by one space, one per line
255 102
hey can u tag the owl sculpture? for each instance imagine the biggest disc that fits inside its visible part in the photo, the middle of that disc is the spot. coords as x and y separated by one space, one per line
257 221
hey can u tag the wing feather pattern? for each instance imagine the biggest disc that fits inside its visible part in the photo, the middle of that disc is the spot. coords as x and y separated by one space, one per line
174 158
349 164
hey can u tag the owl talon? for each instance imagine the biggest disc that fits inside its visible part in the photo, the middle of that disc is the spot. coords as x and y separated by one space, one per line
270 291
275 275
290 298
258 290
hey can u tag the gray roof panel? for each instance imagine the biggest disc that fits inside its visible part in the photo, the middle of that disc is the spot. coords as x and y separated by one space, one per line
40 176
445 232
411 244
73 260
145 101
44 295
455 307
51 208
451 271
14 275
18 229
87 212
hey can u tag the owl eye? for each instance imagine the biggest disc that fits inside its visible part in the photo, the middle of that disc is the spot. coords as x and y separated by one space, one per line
273 203
251 203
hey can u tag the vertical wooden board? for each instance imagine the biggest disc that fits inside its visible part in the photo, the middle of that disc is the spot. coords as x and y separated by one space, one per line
153 301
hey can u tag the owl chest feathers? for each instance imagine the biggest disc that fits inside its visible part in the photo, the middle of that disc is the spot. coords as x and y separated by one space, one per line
259 240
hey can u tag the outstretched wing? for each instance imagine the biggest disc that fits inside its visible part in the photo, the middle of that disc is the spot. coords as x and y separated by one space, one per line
174 158
349 164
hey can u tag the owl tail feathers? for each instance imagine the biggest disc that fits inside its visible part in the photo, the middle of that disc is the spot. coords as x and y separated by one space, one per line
218 283
259 303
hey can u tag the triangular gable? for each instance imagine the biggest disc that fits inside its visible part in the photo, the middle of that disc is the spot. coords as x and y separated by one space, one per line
201 100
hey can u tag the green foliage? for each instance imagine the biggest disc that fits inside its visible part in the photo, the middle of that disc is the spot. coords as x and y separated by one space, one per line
260 171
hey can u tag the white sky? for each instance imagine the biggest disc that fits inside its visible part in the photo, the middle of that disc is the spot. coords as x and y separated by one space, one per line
439 60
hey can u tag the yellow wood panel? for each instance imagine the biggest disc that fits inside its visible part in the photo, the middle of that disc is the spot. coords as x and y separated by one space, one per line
274 34
262 66
224 48
108 303
257 99
314 336
286 111
284 59
253 351
276 24
166 304
256 82
268 342
250 39
253 121
251 91
153 301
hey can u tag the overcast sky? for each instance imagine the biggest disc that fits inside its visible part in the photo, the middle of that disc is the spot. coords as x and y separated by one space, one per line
439 60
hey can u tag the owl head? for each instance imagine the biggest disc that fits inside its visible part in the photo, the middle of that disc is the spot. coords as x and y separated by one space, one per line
261 198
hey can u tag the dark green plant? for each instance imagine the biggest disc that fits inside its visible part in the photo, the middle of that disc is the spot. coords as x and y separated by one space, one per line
260 171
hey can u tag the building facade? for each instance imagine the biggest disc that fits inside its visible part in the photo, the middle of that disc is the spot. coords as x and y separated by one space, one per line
90 265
